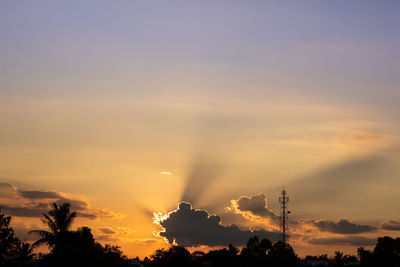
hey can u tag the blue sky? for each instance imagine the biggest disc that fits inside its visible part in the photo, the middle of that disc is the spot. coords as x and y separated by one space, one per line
300 44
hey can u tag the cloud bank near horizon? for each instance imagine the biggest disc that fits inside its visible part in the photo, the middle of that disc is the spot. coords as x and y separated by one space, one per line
188 226
342 226
33 203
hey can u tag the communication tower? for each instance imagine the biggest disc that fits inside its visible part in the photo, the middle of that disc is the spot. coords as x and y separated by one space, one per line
283 200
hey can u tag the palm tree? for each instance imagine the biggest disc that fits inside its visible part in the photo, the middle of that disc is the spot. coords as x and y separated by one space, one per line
24 253
59 221
338 259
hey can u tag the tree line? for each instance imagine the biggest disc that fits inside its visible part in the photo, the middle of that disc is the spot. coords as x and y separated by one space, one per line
79 248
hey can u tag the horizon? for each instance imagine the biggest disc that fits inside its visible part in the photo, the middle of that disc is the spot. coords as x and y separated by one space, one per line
129 109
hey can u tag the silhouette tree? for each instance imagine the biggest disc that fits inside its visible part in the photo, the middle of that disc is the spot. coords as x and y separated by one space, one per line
321 260
282 254
387 251
255 252
198 258
174 256
223 257
350 260
24 254
13 252
59 221
366 257
79 248
338 259
73 248
112 256
9 243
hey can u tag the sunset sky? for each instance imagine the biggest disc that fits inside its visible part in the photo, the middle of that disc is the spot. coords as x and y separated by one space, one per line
126 108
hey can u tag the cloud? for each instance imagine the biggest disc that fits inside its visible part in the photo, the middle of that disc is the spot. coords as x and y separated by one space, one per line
107 238
202 174
40 194
254 204
6 186
114 234
344 241
391 225
358 136
190 227
33 203
124 230
342 226
7 190
23 211
145 241
107 231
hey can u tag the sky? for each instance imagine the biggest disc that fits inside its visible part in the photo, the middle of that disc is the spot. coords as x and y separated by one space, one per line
158 120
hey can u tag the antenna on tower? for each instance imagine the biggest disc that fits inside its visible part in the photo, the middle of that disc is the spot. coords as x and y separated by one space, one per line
284 199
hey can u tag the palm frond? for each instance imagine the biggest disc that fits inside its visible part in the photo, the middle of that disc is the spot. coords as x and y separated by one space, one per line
59 220
40 242
47 238
70 219
41 233
49 222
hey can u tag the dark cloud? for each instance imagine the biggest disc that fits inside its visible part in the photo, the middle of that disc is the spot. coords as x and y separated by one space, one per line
107 231
342 227
29 203
40 194
256 204
190 227
7 189
107 238
391 225
37 210
202 174
23 211
89 216
344 241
